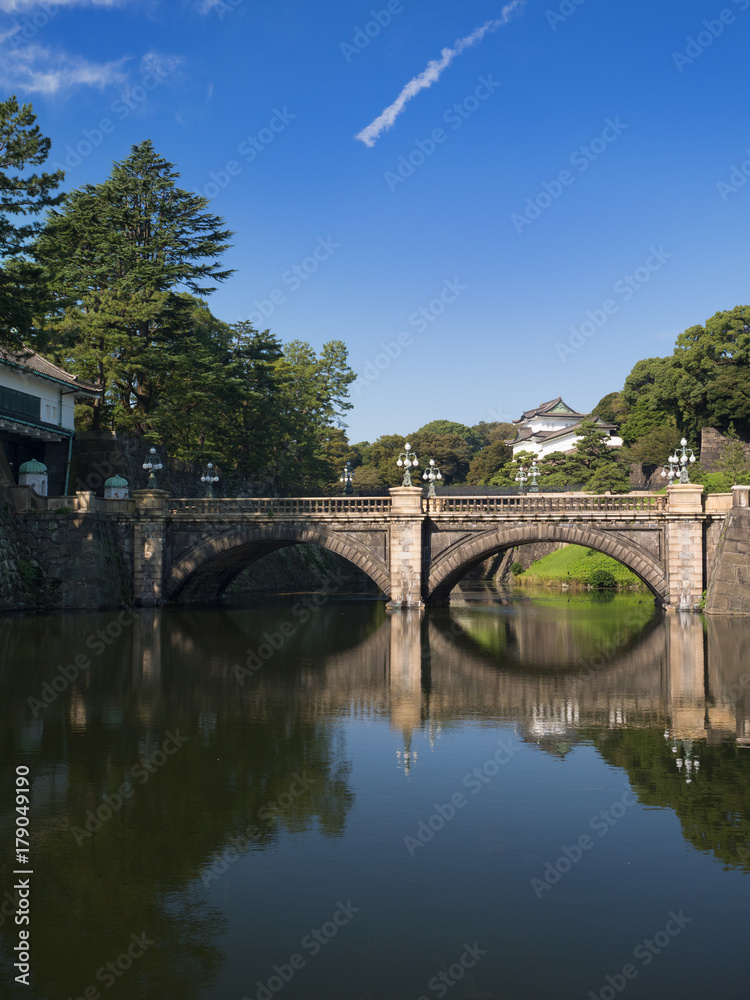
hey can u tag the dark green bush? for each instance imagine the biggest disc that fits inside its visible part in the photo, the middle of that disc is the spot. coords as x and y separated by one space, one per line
602 579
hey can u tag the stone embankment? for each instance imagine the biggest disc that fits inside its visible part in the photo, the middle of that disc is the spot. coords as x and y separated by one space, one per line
20 576
729 591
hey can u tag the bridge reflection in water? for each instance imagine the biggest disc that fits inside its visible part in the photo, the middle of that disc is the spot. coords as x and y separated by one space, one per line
263 712
688 675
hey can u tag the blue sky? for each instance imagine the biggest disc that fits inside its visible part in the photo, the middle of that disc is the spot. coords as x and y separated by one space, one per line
559 202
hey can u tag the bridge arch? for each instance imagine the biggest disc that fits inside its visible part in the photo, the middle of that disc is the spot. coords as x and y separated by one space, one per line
452 564
209 567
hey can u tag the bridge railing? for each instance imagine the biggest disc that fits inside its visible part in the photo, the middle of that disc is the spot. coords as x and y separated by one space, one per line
295 507
564 502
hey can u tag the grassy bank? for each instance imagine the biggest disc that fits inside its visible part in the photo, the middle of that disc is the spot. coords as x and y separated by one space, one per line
576 566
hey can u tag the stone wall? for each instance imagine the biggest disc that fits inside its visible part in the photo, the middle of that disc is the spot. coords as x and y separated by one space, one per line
85 559
712 442
21 578
729 590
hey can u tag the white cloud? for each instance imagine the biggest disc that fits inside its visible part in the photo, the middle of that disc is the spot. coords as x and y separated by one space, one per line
36 70
385 120
19 6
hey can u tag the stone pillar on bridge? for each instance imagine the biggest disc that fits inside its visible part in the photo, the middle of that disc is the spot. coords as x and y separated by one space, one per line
685 545
149 542
407 521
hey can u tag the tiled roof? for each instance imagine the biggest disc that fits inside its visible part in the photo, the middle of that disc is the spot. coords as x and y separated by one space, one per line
33 362
546 408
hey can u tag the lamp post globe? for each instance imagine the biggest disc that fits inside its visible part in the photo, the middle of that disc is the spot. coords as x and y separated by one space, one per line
679 464
534 470
347 477
431 474
407 461
521 478
208 478
152 465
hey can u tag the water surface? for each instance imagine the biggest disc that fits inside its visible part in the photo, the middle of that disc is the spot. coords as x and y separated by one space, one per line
500 799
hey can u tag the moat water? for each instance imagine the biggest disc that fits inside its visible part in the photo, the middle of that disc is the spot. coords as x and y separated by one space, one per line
511 798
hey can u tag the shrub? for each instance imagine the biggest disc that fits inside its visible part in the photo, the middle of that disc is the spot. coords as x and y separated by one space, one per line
602 579
516 569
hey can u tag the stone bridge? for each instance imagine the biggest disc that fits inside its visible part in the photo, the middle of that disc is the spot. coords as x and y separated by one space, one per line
416 549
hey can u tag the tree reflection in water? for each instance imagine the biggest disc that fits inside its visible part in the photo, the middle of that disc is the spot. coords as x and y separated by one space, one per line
265 754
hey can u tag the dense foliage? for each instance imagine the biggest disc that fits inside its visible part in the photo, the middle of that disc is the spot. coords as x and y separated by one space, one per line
23 195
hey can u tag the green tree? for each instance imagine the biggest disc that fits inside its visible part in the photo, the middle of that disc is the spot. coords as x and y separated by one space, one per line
313 398
656 444
612 409
506 474
451 453
706 381
733 461
444 427
713 387
488 462
487 432
120 252
383 455
22 194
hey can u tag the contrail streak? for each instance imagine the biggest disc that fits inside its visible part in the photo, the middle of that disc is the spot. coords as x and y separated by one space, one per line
385 120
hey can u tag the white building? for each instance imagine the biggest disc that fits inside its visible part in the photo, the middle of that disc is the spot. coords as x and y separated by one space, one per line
554 426
37 414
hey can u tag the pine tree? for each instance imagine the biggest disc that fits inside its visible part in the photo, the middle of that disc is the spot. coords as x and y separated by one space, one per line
21 194
120 253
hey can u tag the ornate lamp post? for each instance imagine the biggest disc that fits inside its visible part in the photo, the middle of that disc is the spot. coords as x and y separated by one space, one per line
431 474
678 465
347 478
407 461
152 465
209 477
534 470
521 479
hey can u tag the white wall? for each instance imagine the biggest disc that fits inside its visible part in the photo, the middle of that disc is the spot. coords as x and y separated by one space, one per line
48 392
564 443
